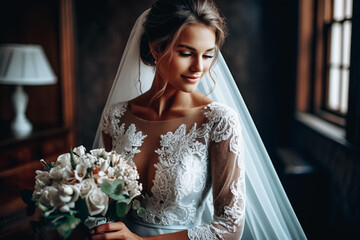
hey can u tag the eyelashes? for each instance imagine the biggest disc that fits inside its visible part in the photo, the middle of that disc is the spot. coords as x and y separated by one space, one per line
189 54
208 56
184 54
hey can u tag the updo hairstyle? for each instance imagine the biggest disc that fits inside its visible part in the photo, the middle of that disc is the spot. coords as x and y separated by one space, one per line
166 20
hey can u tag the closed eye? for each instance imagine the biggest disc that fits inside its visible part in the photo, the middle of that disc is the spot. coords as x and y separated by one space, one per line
208 56
189 54
185 54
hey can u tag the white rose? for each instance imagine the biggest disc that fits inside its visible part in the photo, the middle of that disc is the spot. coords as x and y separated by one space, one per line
51 194
86 186
59 173
43 197
42 179
97 202
79 150
63 160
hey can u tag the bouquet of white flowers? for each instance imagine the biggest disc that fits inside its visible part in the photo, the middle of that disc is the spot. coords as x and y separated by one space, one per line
89 188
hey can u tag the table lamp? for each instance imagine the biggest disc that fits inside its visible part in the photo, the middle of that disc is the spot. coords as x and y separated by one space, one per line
23 64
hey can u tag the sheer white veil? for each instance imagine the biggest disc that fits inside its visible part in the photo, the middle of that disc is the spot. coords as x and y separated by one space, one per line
269 214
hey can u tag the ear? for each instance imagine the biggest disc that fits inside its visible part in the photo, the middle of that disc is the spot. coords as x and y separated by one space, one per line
153 51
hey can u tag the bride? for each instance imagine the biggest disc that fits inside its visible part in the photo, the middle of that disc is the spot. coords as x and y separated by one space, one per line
203 167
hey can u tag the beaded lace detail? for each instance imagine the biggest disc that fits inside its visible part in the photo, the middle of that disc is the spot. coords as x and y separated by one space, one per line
183 175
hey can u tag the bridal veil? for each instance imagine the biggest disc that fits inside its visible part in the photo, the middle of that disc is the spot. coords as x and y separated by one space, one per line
269 214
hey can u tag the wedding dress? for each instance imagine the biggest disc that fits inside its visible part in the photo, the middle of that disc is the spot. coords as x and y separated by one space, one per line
199 182
194 152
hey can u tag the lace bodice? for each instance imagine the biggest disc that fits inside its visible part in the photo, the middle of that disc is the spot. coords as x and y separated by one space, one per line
197 155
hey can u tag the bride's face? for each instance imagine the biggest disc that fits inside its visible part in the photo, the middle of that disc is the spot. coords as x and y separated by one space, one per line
191 58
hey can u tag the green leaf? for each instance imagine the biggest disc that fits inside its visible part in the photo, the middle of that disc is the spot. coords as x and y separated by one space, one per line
140 212
118 189
122 209
121 198
82 209
118 181
136 204
111 212
50 165
42 207
73 165
106 188
68 226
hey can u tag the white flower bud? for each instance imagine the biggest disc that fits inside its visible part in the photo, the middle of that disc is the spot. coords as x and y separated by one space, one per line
79 150
67 189
104 166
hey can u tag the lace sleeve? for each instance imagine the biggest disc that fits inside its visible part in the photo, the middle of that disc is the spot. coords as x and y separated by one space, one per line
111 118
228 180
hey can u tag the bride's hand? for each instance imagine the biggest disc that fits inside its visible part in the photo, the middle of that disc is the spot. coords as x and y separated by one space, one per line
113 230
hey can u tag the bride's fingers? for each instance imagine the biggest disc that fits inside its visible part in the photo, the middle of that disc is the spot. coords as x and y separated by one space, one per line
109 235
109 227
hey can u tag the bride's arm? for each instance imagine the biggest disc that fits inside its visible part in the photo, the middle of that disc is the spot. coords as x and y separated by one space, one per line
228 179
118 230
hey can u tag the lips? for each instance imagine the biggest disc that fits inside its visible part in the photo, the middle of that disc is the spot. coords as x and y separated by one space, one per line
191 79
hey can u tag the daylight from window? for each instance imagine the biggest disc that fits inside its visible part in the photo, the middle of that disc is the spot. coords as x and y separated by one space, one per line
339 68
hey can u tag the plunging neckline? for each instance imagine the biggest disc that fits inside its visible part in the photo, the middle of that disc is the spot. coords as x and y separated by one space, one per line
180 124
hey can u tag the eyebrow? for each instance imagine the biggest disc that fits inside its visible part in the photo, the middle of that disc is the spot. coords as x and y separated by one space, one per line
193 49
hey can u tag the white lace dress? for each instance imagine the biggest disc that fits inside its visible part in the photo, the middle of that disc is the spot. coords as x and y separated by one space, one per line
199 178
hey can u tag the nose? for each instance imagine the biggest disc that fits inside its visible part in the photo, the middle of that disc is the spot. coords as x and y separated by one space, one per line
197 65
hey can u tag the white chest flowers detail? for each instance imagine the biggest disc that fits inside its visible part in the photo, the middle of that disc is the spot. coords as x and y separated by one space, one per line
191 159
182 163
126 142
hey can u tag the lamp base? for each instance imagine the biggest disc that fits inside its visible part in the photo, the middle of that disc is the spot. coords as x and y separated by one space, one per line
21 126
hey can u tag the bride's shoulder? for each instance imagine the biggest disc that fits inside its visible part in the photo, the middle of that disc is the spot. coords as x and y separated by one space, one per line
215 111
223 121
116 109
220 110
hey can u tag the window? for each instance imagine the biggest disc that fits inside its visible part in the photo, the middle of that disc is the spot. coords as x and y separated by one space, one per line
337 27
328 63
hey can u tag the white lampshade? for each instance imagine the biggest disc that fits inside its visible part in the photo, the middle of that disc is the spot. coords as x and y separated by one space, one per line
24 64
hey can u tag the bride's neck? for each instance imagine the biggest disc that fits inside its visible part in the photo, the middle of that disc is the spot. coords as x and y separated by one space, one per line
171 99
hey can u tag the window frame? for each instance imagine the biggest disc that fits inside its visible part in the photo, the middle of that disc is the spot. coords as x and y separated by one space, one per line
311 74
